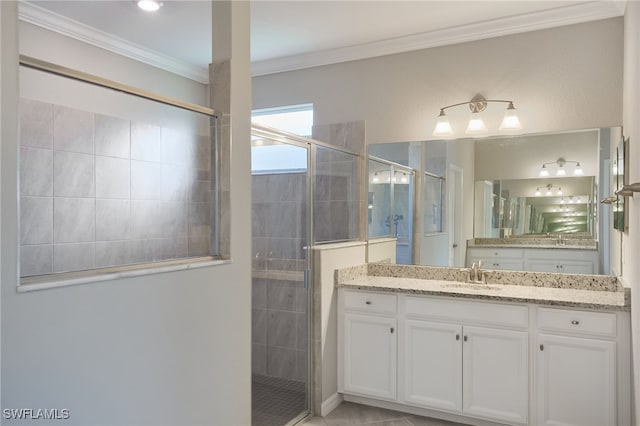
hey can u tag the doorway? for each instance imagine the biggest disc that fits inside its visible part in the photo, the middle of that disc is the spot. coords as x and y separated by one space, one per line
280 293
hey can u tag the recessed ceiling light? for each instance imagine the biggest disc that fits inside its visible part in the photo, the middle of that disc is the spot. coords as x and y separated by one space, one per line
149 5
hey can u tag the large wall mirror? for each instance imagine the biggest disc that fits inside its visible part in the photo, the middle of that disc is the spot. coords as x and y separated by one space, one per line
532 191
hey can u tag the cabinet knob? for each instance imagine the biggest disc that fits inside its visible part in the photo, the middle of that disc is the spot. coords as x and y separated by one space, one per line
575 322
392 330
464 338
368 302
457 337
542 347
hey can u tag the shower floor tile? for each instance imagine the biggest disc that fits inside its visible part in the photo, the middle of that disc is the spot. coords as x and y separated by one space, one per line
276 401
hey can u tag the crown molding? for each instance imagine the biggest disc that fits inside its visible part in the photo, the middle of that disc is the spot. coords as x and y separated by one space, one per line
568 15
46 19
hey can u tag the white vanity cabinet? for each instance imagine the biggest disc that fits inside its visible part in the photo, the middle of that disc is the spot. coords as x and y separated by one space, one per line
368 332
505 362
445 363
576 368
505 259
560 260
565 261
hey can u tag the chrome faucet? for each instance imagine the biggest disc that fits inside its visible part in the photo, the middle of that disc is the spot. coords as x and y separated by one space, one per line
476 274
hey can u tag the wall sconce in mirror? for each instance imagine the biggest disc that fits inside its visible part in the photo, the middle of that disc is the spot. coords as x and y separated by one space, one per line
549 191
561 170
476 124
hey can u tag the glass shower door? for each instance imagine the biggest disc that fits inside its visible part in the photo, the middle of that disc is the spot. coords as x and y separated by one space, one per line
280 297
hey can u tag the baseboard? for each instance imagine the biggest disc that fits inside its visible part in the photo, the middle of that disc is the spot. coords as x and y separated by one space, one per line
331 404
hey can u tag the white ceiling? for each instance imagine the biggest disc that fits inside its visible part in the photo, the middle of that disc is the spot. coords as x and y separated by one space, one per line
294 34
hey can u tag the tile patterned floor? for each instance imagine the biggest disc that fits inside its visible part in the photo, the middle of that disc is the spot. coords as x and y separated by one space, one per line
352 414
276 401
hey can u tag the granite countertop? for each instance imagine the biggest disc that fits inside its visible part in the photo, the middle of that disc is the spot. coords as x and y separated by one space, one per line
581 291
525 245
534 242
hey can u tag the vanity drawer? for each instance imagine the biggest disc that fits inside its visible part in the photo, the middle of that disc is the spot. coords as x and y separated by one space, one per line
495 253
364 301
497 314
577 322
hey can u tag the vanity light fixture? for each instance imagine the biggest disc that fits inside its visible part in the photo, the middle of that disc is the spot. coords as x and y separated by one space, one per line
149 5
375 179
561 170
628 190
476 124
549 193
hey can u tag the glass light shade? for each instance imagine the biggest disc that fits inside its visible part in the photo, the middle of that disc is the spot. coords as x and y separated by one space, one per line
443 127
476 125
548 192
561 171
510 121
559 191
149 5
577 170
544 171
537 191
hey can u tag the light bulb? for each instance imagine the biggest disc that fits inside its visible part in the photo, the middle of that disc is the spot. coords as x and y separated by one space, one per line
375 177
538 192
476 125
561 171
404 178
544 171
510 120
149 5
443 127
577 170
559 191
548 192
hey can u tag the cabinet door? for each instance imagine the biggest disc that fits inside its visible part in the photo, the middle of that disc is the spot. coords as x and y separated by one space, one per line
540 265
370 355
577 267
430 365
504 265
496 374
575 381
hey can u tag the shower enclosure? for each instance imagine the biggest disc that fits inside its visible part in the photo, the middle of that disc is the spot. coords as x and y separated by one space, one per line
391 204
304 193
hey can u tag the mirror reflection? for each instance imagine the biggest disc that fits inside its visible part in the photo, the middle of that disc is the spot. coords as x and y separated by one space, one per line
531 199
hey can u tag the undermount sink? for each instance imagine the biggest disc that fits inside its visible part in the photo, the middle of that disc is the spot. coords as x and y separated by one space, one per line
470 286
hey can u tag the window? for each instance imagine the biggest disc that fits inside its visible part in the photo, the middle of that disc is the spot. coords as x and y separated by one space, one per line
296 119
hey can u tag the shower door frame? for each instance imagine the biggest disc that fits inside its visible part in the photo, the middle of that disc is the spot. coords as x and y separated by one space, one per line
290 139
314 375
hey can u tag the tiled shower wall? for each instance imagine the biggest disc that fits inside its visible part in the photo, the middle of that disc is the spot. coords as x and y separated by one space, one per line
99 191
338 202
336 215
279 305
